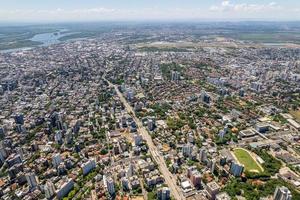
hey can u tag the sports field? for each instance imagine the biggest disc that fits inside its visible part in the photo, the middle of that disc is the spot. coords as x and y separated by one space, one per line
245 158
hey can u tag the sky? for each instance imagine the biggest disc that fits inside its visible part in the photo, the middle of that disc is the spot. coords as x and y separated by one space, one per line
136 10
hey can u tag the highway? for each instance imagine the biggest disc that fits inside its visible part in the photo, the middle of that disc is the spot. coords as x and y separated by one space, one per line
169 179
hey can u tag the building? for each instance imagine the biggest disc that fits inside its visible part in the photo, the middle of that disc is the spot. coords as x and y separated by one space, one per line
32 180
187 150
212 165
222 196
262 127
49 190
236 169
56 160
175 76
125 183
151 124
88 166
19 118
205 98
130 170
137 139
58 137
203 155
110 186
163 194
196 179
282 193
65 188
212 189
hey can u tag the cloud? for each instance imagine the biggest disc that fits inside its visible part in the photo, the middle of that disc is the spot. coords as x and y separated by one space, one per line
58 13
227 6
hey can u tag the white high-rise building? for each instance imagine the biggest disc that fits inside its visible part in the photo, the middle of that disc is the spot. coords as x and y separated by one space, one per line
88 166
49 190
282 193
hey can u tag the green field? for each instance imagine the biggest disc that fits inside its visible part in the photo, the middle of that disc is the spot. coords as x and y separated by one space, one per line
247 160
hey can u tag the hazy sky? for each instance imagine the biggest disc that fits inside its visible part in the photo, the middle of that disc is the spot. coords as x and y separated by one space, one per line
98 10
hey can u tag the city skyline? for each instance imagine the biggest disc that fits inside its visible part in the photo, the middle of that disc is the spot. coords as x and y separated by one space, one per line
133 10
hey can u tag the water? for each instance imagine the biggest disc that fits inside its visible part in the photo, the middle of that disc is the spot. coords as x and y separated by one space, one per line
49 38
46 39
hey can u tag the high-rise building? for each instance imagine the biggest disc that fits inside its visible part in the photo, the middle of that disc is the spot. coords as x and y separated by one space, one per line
2 131
187 150
88 166
130 171
236 169
110 184
212 165
282 193
56 160
203 155
205 97
58 137
3 154
151 125
125 183
137 139
65 188
213 189
49 190
175 76
19 118
32 180
163 193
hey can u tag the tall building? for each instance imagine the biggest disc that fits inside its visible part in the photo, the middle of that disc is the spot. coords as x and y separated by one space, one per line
236 169
3 154
130 170
205 97
187 150
65 188
56 160
137 139
32 180
58 137
196 179
163 194
282 193
203 155
125 183
110 186
175 76
88 166
213 189
151 125
19 118
49 190
212 165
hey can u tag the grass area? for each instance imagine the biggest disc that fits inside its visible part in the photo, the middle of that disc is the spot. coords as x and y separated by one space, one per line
296 114
246 159
271 37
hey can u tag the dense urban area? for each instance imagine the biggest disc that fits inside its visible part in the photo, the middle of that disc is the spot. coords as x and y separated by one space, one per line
151 114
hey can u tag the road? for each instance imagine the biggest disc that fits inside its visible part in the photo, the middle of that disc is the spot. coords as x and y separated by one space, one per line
170 181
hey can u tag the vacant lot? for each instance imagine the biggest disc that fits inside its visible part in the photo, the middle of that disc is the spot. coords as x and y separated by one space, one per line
247 160
296 114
